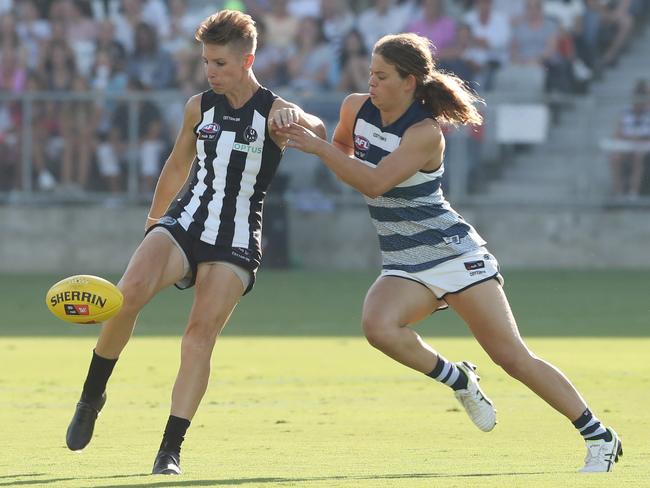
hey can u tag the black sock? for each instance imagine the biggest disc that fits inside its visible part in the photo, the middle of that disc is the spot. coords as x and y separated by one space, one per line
174 434
98 373
590 427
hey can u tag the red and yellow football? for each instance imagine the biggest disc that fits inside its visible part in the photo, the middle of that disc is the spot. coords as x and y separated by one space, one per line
84 299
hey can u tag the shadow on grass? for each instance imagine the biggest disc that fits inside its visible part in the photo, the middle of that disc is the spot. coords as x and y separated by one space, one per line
48 481
245 481
26 475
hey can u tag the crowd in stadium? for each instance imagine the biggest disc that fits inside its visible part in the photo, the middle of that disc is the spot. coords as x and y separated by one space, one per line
107 47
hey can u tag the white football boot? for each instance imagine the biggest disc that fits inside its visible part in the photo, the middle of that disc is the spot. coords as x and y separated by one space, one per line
601 455
477 405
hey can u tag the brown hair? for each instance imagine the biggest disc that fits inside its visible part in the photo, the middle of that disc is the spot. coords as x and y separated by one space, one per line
229 27
446 95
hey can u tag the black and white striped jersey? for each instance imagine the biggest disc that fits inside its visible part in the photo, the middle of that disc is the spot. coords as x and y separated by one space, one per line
236 161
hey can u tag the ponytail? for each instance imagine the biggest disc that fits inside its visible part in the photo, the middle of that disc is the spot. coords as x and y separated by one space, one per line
446 95
450 100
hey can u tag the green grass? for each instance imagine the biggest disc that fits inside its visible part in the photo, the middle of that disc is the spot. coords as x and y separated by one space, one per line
298 399
300 303
316 412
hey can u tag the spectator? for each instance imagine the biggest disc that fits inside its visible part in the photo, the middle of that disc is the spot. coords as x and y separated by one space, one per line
305 8
281 27
568 15
32 30
150 146
13 80
182 25
491 35
535 43
270 60
606 24
354 62
309 65
56 73
81 30
107 42
45 128
126 21
439 28
13 69
150 64
633 126
462 57
385 17
78 120
338 20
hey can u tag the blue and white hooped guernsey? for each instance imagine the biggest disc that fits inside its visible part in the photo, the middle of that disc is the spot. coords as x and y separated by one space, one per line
417 227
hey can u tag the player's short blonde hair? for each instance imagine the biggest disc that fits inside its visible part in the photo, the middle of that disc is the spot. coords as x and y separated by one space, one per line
229 27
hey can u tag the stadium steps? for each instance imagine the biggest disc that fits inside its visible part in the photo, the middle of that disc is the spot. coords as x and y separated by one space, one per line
570 168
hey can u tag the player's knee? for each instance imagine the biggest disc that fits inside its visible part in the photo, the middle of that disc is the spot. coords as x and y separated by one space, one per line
134 291
200 336
379 331
515 363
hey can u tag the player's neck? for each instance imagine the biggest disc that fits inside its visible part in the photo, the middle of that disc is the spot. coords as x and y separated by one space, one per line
242 93
391 114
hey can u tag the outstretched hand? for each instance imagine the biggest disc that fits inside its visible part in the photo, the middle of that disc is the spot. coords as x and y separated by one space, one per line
301 138
281 118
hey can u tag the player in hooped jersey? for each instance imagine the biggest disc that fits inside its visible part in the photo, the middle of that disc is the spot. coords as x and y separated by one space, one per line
211 236
388 145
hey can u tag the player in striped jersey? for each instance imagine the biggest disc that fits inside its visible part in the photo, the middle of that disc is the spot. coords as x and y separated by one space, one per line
211 236
389 146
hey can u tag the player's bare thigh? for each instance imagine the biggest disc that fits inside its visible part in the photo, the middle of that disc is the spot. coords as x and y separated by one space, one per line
399 300
157 263
485 309
218 290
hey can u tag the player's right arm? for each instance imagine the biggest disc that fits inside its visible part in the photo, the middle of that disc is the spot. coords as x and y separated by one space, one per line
178 164
344 131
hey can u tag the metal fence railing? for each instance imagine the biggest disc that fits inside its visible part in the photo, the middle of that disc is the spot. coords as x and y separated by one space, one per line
568 165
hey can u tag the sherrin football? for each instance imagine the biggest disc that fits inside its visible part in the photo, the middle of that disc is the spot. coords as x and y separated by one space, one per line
84 299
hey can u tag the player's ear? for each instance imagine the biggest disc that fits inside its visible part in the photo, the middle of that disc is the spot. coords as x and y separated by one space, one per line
411 81
248 60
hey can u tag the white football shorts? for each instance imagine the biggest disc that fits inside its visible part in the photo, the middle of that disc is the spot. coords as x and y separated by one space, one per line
455 275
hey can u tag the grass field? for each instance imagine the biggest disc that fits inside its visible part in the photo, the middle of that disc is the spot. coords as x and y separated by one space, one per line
297 398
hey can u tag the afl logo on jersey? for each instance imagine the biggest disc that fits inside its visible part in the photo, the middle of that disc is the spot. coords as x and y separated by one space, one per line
250 134
361 143
209 132
361 146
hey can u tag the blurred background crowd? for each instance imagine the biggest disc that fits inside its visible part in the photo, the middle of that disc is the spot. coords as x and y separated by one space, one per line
108 79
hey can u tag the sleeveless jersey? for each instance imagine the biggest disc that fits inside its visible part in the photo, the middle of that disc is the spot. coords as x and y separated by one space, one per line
236 160
417 227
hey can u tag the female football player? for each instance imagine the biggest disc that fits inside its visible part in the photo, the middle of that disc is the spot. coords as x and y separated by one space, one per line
389 146
211 236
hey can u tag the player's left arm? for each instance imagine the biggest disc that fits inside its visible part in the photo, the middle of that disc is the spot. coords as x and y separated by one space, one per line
284 113
420 148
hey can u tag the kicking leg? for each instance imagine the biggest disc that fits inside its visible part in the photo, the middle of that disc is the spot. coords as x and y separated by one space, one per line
156 264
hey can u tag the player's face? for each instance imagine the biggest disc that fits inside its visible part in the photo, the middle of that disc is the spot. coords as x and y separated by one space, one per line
225 67
385 85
